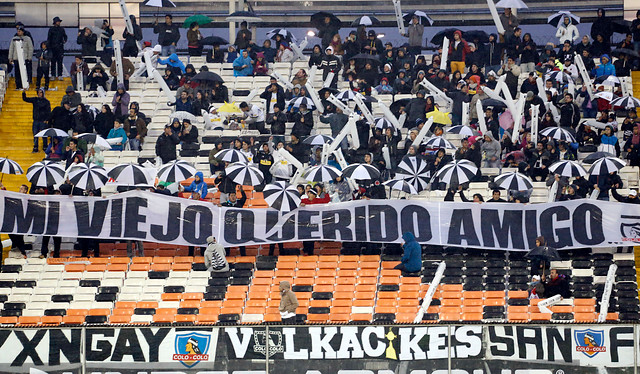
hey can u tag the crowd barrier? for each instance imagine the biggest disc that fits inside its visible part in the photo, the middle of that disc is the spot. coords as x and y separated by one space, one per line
320 349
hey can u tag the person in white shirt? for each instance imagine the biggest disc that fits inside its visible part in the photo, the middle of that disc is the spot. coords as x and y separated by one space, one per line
253 117
214 257
567 31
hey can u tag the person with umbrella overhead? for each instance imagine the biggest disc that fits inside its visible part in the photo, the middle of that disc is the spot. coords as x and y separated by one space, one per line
168 35
327 29
194 36
601 26
567 31
243 38
415 32
373 45
556 284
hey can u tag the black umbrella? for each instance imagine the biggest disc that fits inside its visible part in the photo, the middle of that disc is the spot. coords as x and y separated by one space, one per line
207 76
554 19
621 26
396 105
438 38
317 19
544 254
366 21
213 40
160 3
243 15
423 18
624 51
364 58
595 156
493 103
473 35
325 89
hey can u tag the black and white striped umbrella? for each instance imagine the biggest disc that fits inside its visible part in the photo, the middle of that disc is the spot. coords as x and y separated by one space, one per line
318 139
281 196
304 100
348 95
415 171
8 166
559 133
51 133
457 172
461 130
95 139
606 165
321 173
437 142
383 123
627 102
559 76
568 169
131 175
284 33
401 185
45 173
361 172
366 21
87 176
176 171
245 173
513 181
607 80
231 155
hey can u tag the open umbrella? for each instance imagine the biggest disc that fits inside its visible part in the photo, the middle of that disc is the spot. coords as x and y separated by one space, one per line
176 171
131 175
461 130
8 166
495 104
207 76
627 102
383 123
243 15
51 132
321 173
304 100
545 254
213 40
231 155
229 108
621 26
607 80
457 172
624 51
415 171
88 176
439 117
518 4
513 181
318 140
567 168
182 115
45 173
595 156
558 133
423 18
246 174
396 105
284 33
366 21
317 19
438 38
606 165
364 58
437 142
200 19
558 17
559 76
606 95
160 3
96 140
401 185
361 172
595 123
473 35
281 196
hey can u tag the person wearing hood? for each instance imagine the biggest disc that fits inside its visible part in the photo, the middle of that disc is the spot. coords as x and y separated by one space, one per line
43 57
327 29
95 156
120 102
41 113
261 67
130 48
189 72
490 151
459 95
567 31
609 141
171 79
194 36
402 83
56 38
288 303
285 54
536 288
600 46
174 62
601 26
605 67
416 109
87 40
97 78
411 261
242 65
585 43
330 64
198 185
316 56
458 49
493 54
373 45
27 53
168 35
214 257
104 121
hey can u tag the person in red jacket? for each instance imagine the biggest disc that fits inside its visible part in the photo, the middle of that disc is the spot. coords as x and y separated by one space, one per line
312 199
458 49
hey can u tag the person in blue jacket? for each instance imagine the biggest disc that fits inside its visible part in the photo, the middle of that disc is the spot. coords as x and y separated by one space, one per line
242 66
198 185
174 62
605 68
412 257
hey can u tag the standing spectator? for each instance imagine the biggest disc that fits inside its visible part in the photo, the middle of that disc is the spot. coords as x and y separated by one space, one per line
569 112
373 45
331 64
528 54
136 130
632 146
130 48
601 26
234 202
261 66
56 38
61 117
303 122
609 142
214 257
120 102
105 42
512 71
635 30
243 38
168 35
274 96
415 32
600 46
509 22
264 159
336 121
27 53
458 49
79 66
288 303
43 56
87 40
118 132
73 154
243 65
277 122
490 151
194 36
41 113
327 30
411 261
567 31
493 56
166 145
127 70
17 241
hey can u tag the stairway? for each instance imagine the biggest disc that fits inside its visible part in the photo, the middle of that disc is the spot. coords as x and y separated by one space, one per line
16 129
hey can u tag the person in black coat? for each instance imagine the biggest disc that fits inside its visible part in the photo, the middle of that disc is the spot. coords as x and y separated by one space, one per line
56 38
277 122
41 113
274 96
316 56
130 48
601 26
61 117
104 121
415 109
330 64
166 145
556 284
219 93
264 159
303 122
87 40
98 78
631 198
168 35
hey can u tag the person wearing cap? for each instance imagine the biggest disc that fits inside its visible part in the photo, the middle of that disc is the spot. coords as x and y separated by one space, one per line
71 97
330 64
27 53
631 198
56 38
373 45
27 34
570 193
168 35
130 48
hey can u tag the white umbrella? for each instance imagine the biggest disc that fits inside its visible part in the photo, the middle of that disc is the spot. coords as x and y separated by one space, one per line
45 173
182 115
8 166
383 123
558 133
284 33
457 172
321 173
246 174
627 102
559 76
366 21
606 165
130 175
513 181
415 171
318 140
231 155
518 4
51 132
607 95
160 3
304 100
349 95
88 176
97 140
176 171
438 142
558 18
568 169
281 196
610 80
595 123
361 172
461 130
423 18
401 185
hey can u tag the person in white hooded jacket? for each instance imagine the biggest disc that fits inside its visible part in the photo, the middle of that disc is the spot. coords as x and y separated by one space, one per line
567 31
214 257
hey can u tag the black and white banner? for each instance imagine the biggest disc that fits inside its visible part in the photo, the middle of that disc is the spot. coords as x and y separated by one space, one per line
151 217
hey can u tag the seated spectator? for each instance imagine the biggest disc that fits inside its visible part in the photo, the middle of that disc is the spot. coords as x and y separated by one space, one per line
411 261
199 104
232 54
97 77
285 54
136 130
117 132
197 186
261 67
173 63
79 65
171 79
605 67
183 104
300 78
243 65
268 51
189 133
214 257
166 145
83 120
71 97
288 302
54 149
402 84
189 72
609 142
632 147
316 56
219 93
556 284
